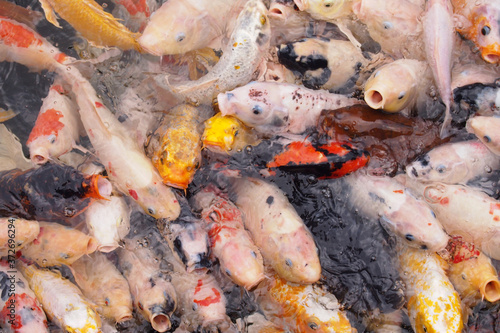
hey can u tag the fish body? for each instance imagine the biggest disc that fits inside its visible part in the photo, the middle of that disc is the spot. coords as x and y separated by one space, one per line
55 192
323 64
479 24
57 127
175 146
454 163
464 211
20 312
302 308
402 213
57 245
227 134
277 230
92 22
439 37
154 297
272 107
136 12
239 258
11 152
476 99
394 24
486 130
126 163
326 10
16 233
108 222
242 55
183 26
432 302
475 279
382 91
62 301
102 283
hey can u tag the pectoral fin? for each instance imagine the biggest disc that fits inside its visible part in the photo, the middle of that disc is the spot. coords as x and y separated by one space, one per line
50 14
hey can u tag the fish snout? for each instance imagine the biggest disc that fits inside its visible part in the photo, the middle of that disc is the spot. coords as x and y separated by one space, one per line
279 12
491 53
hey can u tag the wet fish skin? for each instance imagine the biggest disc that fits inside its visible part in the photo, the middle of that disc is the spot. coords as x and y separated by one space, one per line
62 301
57 128
454 163
23 232
92 22
241 57
277 230
486 130
400 212
102 283
432 302
28 315
325 9
272 107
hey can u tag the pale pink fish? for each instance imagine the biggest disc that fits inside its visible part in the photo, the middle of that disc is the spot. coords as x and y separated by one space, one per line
239 257
399 211
272 107
57 128
439 34
20 311
487 129
282 237
454 163
463 211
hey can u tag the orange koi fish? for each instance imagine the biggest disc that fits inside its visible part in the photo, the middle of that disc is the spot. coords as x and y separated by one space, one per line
92 22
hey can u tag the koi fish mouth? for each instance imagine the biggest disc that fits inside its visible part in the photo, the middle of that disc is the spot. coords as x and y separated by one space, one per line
491 53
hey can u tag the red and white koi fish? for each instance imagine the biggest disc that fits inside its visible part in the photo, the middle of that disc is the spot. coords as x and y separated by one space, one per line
272 107
278 231
20 312
239 257
57 128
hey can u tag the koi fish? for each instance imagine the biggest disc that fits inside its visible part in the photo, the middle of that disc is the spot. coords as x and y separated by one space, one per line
479 24
20 14
108 222
20 312
11 152
432 302
277 230
57 127
380 89
16 233
302 308
330 160
138 12
175 146
227 135
56 192
241 57
92 22
58 245
61 300
279 107
486 130
325 9
239 257
454 163
102 283
399 211
154 296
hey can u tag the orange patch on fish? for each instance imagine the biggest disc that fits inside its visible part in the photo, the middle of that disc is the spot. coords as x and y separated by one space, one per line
493 207
46 124
58 88
98 105
135 7
61 57
19 300
401 192
17 35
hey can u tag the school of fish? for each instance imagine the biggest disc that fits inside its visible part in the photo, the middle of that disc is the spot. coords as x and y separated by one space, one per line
147 190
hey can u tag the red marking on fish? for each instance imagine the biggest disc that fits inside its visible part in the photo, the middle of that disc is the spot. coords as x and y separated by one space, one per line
133 194
493 207
61 58
297 153
444 201
21 301
58 88
496 218
210 299
46 124
429 224
99 105
398 191
111 170
461 250
198 286
135 7
17 35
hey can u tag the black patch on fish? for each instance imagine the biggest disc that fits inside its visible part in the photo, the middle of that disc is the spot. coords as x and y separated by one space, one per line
423 160
152 282
316 81
203 261
270 200
277 122
179 250
157 309
414 172
469 99
262 39
4 286
122 118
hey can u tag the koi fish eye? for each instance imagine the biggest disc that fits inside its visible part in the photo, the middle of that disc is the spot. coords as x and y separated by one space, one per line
263 20
425 329
485 30
180 37
387 25
313 326
401 95
151 211
257 110
487 138
328 3
288 262
52 138
410 237
441 168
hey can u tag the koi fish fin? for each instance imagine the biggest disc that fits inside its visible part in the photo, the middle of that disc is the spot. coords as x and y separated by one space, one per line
11 151
6 115
50 14
446 126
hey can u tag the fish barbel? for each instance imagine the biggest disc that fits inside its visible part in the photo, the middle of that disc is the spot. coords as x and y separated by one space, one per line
92 22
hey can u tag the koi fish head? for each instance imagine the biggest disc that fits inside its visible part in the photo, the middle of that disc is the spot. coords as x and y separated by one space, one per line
322 9
436 317
485 32
426 169
220 131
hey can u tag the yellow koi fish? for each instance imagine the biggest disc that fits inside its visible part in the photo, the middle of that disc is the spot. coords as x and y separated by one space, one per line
92 22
